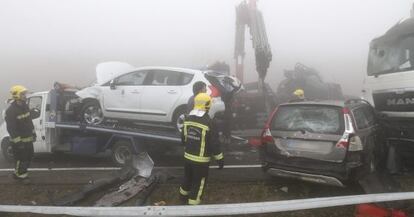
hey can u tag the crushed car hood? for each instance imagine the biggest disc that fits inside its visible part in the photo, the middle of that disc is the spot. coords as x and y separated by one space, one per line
107 70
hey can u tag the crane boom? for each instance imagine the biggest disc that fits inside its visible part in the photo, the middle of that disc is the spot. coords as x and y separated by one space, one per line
247 14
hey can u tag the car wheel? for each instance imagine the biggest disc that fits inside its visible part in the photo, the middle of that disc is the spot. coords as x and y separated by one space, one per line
179 117
92 113
6 149
122 152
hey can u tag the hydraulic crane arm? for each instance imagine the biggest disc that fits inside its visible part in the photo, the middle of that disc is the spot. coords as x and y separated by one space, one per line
248 15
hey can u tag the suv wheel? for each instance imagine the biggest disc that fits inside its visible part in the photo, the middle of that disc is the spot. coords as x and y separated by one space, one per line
6 149
92 113
178 118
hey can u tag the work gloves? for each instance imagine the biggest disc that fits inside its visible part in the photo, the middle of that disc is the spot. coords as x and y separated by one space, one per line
220 164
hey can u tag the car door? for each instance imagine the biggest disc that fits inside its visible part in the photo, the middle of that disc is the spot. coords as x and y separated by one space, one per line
366 127
121 99
36 102
161 95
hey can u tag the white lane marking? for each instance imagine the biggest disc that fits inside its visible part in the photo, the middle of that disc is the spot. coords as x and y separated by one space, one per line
118 168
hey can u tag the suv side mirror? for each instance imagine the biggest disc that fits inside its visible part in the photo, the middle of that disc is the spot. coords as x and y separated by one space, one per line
112 85
34 113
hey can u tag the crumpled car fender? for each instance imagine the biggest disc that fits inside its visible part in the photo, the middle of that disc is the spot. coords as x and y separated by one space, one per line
90 92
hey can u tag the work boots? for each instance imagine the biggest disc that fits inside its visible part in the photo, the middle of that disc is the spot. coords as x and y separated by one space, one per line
24 181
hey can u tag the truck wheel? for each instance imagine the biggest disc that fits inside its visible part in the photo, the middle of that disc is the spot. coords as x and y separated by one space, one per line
122 152
178 118
6 149
91 113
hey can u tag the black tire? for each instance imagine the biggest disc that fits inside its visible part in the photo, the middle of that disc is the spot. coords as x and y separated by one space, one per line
91 113
178 117
122 151
6 149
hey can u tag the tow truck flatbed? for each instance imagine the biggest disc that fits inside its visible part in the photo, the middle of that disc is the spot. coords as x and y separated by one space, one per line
138 132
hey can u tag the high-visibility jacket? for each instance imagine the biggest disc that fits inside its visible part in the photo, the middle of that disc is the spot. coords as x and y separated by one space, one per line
200 139
19 123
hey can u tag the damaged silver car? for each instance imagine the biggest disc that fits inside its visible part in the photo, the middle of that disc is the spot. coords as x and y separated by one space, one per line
327 142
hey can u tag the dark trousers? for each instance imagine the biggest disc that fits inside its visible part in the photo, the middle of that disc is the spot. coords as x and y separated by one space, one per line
195 180
23 154
228 116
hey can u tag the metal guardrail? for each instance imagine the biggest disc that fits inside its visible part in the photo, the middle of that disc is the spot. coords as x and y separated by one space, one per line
212 210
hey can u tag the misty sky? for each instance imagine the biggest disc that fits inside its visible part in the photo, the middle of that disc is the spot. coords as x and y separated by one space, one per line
42 41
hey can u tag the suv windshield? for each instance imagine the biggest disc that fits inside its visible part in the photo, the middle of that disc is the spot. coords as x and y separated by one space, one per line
310 118
390 56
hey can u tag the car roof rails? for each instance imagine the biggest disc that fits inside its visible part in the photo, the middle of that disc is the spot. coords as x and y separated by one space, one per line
356 100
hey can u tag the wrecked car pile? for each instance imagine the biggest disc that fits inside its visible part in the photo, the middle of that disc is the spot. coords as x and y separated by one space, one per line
322 139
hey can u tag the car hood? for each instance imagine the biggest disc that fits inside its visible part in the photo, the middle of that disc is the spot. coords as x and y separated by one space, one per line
108 70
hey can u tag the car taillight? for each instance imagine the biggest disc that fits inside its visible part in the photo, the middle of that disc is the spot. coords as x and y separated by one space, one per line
214 91
355 144
343 142
267 136
349 130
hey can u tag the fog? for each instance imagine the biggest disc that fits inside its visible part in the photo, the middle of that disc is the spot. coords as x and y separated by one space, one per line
42 41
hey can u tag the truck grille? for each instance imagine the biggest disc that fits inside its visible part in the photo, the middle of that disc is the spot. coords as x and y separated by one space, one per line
394 101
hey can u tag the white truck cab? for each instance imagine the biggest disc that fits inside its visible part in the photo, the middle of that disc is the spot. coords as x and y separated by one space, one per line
389 82
43 143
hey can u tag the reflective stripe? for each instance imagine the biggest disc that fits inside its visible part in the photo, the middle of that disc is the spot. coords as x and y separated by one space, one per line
200 190
202 126
196 158
193 202
219 156
183 192
19 139
25 115
22 176
27 139
203 143
15 140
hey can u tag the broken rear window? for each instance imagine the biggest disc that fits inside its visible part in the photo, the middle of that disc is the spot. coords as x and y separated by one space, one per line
309 118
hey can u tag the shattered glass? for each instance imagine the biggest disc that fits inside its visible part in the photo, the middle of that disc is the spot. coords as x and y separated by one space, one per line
389 56
308 118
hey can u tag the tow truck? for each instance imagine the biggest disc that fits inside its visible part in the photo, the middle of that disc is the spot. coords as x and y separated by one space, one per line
58 130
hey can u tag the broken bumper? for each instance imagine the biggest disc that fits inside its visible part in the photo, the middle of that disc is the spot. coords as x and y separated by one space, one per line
306 177
328 173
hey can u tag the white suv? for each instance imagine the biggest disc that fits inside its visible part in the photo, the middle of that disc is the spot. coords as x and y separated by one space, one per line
155 94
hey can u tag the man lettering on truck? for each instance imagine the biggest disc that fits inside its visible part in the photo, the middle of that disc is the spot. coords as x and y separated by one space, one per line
200 139
21 131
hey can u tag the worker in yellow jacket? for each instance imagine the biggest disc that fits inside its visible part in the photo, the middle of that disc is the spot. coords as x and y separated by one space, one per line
200 139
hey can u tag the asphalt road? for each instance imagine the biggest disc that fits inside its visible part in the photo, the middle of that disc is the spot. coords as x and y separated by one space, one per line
163 155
